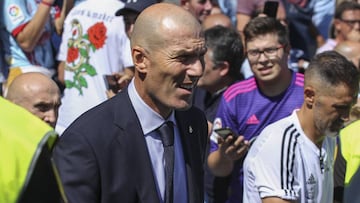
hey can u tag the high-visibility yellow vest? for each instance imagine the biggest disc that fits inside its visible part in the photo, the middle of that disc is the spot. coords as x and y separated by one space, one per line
350 149
22 138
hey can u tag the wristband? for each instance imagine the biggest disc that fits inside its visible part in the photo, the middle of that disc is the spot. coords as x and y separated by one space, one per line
46 3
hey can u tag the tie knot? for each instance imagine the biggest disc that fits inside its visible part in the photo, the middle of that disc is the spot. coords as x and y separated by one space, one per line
166 131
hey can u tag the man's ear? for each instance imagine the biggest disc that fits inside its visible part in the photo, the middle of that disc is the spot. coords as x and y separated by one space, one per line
139 59
337 25
224 68
309 96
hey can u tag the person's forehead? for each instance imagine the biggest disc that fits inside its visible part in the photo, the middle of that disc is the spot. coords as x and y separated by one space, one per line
175 32
47 99
190 45
351 15
185 47
270 39
198 1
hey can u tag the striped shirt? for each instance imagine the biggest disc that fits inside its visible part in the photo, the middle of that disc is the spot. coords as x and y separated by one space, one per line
283 162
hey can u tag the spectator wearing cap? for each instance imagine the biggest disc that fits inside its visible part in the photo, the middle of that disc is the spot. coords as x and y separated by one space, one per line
130 12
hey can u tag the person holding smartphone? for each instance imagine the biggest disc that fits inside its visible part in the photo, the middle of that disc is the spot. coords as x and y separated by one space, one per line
222 61
248 106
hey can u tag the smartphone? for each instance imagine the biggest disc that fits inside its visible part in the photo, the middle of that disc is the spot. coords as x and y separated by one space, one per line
111 83
225 132
270 8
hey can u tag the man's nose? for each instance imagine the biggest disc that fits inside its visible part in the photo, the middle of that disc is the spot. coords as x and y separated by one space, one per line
208 5
197 68
51 117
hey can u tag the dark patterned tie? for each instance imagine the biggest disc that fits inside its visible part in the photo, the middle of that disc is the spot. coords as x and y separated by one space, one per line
166 131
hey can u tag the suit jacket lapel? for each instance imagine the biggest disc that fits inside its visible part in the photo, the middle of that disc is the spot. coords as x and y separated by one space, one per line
189 144
139 159
131 135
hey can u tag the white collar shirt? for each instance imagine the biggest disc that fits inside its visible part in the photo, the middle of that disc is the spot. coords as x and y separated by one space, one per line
150 121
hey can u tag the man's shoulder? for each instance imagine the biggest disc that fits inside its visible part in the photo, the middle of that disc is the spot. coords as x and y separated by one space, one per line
105 112
282 133
280 128
103 123
283 123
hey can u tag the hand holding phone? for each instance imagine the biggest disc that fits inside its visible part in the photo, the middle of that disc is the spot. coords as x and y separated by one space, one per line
111 83
270 8
225 132
234 149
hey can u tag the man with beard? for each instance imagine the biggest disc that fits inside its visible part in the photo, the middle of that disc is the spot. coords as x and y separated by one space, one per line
292 159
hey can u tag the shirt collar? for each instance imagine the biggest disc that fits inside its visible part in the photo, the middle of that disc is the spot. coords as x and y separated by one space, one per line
149 119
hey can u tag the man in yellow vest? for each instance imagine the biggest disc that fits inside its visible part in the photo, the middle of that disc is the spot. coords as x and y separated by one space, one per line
27 172
346 170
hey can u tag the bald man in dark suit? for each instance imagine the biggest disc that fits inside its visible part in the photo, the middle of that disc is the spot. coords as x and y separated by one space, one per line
113 153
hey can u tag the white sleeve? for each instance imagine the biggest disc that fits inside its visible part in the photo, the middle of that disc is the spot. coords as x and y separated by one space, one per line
62 53
263 172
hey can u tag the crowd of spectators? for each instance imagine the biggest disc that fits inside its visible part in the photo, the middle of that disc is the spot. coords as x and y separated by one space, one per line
62 58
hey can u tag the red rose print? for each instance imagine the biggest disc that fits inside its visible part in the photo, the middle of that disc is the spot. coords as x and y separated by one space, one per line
72 55
97 35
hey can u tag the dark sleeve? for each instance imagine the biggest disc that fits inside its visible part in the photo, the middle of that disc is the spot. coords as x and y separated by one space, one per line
42 185
339 175
77 167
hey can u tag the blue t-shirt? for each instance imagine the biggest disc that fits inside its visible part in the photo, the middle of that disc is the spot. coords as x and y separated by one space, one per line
247 111
3 68
15 14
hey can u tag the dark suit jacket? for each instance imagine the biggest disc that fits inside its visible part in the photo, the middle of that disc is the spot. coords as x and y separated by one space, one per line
103 157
